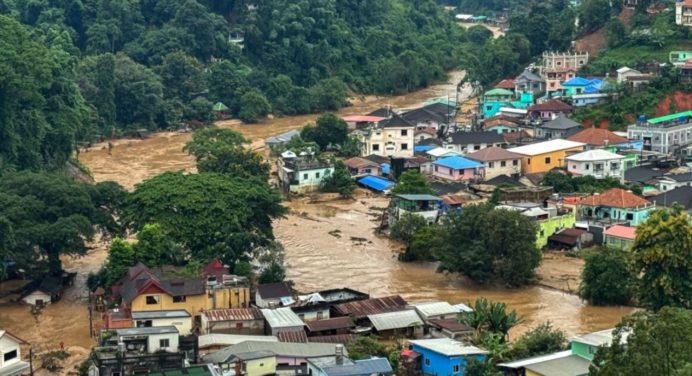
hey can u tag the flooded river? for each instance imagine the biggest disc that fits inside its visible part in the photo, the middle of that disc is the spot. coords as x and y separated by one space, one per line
317 259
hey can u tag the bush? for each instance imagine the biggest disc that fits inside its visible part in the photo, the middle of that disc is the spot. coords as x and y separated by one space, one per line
607 277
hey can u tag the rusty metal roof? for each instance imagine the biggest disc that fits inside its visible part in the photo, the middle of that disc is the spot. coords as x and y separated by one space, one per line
363 308
330 324
293 336
234 314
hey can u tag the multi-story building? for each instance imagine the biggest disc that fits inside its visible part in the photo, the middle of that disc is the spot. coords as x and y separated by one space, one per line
559 67
598 163
302 174
544 156
665 134
497 161
393 137
683 12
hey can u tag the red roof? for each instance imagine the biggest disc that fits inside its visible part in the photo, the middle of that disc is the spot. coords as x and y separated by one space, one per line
363 308
362 118
234 314
597 137
624 232
616 198
330 324
428 130
215 268
553 105
506 84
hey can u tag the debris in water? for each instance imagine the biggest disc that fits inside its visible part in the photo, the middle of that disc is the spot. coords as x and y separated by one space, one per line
335 233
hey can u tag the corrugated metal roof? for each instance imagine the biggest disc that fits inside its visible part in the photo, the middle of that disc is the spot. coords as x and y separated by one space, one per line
159 314
395 320
281 318
428 309
536 359
569 366
363 308
337 338
233 314
330 324
600 338
376 183
373 366
297 350
293 336
145 331
230 339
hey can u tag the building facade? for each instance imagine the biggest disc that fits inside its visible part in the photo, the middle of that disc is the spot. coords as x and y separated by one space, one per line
598 163
544 156
665 134
683 12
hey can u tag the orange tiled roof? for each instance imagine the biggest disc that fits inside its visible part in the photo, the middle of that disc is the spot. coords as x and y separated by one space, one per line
616 198
597 137
623 232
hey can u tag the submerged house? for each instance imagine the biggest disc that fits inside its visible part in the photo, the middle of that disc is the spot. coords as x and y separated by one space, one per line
427 206
302 174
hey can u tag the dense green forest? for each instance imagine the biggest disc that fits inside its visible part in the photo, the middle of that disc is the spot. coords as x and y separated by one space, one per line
80 70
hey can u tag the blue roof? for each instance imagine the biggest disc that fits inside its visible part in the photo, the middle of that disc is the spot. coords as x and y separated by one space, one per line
423 148
591 89
577 81
376 183
457 163
385 168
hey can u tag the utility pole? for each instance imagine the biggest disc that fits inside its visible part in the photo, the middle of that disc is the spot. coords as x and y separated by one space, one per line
91 326
31 361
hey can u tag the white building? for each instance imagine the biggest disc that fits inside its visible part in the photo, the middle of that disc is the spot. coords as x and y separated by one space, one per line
282 320
683 13
598 163
393 137
180 319
162 338
11 360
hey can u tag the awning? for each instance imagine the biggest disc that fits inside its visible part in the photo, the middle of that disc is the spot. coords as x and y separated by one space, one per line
376 183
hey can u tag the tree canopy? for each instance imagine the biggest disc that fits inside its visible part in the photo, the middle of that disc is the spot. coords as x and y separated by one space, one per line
486 244
53 215
412 182
211 215
607 277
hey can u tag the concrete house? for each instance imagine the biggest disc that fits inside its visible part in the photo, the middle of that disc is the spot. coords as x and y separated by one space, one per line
270 295
43 292
468 142
665 134
342 366
549 110
360 167
528 81
458 169
426 118
241 321
180 319
560 127
497 161
559 67
620 237
391 137
301 174
437 310
427 206
598 163
683 12
11 362
614 206
495 99
546 155
445 356
672 181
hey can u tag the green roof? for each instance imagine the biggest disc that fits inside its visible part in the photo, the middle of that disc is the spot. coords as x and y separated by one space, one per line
663 119
220 107
498 92
419 197
189 371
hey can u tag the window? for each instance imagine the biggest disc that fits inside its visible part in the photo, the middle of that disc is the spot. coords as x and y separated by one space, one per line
598 167
427 361
10 355
503 163
587 166
435 168
528 161
368 171
574 167
320 315
164 342
476 147
547 160
456 368
179 299
317 175
239 325
144 324
489 108
115 373
404 132
305 176
629 216
491 164
153 299
515 162
376 147
404 146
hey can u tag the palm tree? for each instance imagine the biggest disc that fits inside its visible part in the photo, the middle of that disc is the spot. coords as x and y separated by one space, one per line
490 317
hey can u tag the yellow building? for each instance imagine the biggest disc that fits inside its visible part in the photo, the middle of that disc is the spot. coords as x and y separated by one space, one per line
547 155
143 289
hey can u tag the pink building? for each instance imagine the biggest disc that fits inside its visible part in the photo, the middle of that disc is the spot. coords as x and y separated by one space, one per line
458 169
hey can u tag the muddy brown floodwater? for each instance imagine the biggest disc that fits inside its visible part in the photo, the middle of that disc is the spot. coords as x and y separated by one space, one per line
320 257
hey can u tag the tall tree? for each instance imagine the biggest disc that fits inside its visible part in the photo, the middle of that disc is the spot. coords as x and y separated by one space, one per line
412 182
225 151
663 259
211 215
607 277
329 129
490 317
53 215
647 343
253 107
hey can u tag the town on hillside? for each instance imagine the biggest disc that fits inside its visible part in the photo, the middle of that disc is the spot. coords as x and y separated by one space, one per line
306 188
